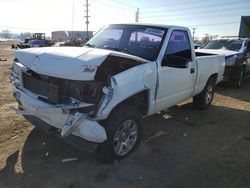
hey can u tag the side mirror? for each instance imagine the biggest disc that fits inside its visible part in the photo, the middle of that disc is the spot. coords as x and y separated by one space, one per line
175 61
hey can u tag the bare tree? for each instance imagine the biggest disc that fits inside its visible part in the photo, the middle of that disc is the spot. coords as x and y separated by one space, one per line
25 35
5 34
207 38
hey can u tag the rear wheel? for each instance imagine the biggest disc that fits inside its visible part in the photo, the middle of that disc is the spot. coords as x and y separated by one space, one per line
203 100
124 132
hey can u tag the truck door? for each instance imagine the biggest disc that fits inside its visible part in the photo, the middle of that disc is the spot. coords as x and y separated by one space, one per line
177 71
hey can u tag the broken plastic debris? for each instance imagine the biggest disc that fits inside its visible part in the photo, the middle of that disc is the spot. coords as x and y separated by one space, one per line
184 134
69 159
167 116
3 59
160 133
186 118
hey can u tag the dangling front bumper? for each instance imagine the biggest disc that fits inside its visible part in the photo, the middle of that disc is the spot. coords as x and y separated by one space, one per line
58 116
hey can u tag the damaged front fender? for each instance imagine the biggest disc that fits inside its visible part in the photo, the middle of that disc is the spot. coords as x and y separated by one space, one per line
126 84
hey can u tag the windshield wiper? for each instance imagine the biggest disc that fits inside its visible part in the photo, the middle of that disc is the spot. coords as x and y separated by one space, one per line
90 45
115 49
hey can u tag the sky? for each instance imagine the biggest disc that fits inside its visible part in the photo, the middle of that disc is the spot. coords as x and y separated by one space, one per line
214 17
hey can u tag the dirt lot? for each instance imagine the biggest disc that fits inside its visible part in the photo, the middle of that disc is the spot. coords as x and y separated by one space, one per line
197 148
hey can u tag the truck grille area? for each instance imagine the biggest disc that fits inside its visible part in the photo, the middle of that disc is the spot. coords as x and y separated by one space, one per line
59 91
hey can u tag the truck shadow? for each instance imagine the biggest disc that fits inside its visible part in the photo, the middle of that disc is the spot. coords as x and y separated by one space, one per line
193 149
241 94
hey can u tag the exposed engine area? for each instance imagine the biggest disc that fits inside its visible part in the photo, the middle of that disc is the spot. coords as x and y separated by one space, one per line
57 90
113 65
62 91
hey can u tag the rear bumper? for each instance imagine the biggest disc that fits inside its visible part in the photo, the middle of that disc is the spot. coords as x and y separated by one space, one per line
78 125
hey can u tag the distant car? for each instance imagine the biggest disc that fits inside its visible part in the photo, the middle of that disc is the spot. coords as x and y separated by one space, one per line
197 46
237 52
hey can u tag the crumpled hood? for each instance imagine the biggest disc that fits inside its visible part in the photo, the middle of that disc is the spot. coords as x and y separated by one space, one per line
74 63
218 52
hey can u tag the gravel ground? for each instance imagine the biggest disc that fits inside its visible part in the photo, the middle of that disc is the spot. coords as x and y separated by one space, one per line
182 147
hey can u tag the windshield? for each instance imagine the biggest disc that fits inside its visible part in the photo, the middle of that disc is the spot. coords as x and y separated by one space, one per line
138 40
234 45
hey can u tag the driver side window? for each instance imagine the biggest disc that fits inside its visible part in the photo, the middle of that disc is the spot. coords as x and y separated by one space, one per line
179 45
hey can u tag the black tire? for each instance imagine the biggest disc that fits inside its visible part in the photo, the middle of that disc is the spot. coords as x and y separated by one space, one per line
237 79
203 100
116 134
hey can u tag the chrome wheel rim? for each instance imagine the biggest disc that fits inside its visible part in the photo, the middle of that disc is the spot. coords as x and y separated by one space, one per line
125 137
209 94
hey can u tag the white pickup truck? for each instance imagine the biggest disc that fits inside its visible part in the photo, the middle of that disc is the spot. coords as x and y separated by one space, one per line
100 92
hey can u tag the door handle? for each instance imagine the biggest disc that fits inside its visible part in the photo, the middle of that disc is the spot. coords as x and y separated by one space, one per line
192 71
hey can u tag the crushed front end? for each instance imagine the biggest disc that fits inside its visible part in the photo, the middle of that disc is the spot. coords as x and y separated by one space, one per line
72 90
59 102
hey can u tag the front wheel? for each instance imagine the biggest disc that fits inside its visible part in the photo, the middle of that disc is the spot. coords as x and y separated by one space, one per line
238 79
203 100
124 132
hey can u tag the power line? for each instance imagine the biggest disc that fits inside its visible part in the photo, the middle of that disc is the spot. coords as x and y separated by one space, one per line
201 17
196 12
172 4
117 5
125 4
214 24
228 3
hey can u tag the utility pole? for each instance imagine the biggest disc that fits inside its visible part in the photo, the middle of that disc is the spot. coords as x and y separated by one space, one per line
87 17
194 28
137 15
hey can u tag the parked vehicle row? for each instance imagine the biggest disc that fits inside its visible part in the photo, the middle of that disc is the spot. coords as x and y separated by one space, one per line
37 40
237 52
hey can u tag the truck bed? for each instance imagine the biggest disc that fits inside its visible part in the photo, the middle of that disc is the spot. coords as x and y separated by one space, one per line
207 64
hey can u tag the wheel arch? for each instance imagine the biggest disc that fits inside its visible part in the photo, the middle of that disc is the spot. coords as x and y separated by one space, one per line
140 100
214 77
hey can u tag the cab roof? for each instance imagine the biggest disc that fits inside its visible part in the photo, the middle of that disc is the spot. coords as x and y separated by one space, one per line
151 25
